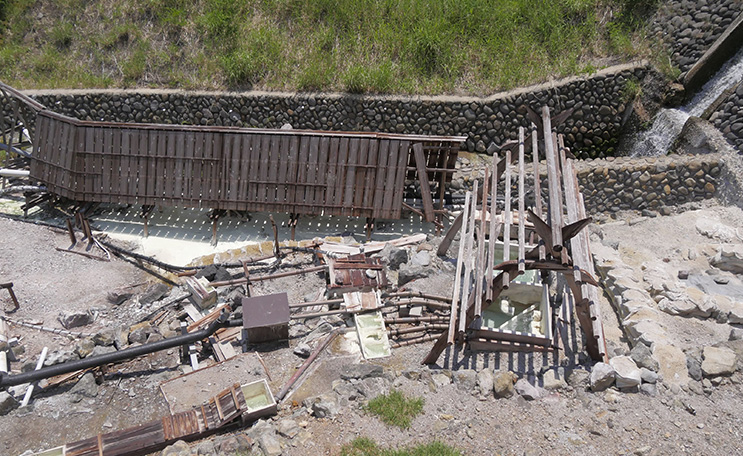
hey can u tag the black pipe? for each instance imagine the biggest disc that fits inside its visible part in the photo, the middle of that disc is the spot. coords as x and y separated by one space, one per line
121 355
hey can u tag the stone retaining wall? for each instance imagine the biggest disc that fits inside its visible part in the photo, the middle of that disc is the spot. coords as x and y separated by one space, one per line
591 131
651 183
690 27
729 118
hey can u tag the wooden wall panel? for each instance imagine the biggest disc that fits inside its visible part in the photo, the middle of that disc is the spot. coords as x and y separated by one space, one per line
300 172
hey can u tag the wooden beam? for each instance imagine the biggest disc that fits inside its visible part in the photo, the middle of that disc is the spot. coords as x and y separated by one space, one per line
468 258
492 237
553 182
457 277
479 270
420 164
507 216
522 230
537 186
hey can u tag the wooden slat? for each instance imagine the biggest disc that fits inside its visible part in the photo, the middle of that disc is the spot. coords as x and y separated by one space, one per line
353 157
522 193
381 174
312 157
370 176
458 272
402 159
333 170
493 237
553 181
391 172
537 185
420 163
468 258
479 270
291 176
507 216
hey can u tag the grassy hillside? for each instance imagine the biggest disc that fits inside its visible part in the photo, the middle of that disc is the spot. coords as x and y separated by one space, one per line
380 46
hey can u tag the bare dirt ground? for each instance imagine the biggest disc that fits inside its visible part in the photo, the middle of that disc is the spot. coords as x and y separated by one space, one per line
569 420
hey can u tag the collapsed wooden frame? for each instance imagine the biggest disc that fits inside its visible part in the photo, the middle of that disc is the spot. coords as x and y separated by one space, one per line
561 246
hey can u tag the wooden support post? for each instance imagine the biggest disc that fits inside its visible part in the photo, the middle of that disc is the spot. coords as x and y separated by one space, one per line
537 185
479 270
293 219
522 230
248 284
458 273
420 165
493 237
145 215
215 236
276 248
71 232
449 236
9 286
507 217
369 228
468 258
553 181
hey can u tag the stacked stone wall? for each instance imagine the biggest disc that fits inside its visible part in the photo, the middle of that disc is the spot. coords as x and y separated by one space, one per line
690 27
728 118
591 131
652 183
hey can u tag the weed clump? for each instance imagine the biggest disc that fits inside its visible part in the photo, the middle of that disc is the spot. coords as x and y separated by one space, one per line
395 409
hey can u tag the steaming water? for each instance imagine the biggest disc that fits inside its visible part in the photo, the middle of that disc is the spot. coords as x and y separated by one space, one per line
668 123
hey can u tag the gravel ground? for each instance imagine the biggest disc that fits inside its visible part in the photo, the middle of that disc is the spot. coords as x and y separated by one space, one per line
568 421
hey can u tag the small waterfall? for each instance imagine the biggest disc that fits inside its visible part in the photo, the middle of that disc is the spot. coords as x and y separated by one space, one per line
668 123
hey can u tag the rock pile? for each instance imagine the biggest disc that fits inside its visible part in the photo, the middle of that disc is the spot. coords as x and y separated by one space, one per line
647 302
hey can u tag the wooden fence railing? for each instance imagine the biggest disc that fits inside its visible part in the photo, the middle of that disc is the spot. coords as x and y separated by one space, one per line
295 171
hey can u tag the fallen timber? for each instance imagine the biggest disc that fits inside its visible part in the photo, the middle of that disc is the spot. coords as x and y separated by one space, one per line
562 247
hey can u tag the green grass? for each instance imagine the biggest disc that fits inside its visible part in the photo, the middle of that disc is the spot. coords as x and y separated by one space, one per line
395 409
362 46
363 446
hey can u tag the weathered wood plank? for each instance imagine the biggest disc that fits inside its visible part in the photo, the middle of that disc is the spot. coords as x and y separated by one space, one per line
420 163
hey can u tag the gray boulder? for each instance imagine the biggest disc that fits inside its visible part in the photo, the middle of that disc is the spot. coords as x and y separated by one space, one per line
422 258
86 387
718 361
729 258
465 379
485 382
503 383
395 256
602 376
626 372
361 371
7 403
527 390
75 319
408 273
643 357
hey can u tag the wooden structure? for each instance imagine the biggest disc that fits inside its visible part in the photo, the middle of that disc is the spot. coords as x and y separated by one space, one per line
220 411
562 247
225 168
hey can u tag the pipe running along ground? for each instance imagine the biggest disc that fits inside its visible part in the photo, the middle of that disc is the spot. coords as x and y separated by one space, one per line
121 355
